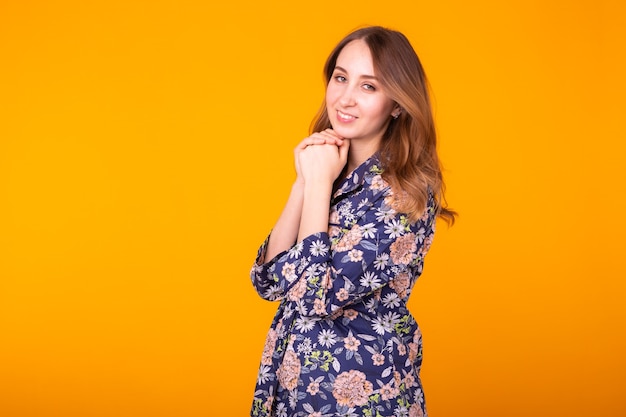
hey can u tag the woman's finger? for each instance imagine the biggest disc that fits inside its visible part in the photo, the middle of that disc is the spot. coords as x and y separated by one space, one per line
331 138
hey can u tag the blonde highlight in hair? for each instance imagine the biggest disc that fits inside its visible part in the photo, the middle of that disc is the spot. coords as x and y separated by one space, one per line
408 150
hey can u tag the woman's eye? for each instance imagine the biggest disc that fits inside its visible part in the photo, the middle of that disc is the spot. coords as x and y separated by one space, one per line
369 87
340 78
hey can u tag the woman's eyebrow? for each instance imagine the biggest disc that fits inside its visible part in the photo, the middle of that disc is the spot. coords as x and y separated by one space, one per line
337 67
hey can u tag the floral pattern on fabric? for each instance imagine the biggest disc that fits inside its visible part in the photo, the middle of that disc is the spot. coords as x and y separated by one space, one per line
343 342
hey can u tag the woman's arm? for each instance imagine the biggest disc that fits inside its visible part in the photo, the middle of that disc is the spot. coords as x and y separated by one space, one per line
285 230
376 248
318 159
320 167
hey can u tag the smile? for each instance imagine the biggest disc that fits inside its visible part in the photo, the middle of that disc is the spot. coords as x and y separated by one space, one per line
345 117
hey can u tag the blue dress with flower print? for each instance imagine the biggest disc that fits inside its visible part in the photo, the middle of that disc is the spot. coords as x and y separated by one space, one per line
343 342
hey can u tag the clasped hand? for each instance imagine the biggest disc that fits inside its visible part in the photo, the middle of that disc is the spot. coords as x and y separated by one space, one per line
321 157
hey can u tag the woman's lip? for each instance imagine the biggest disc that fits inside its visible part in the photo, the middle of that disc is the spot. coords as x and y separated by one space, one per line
345 117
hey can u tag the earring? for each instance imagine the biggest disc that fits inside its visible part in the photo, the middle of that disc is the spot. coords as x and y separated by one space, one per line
396 115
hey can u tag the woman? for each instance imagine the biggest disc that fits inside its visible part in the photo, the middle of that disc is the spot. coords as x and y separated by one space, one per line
351 240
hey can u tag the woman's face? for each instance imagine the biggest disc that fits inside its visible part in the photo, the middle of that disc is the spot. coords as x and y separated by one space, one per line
357 106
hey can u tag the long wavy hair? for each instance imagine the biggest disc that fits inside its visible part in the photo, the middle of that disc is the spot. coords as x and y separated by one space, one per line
408 149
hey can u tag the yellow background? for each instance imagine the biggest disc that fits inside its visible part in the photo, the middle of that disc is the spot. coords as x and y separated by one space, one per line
146 150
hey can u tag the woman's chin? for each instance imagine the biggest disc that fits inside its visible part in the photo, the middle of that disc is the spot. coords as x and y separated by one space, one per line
341 131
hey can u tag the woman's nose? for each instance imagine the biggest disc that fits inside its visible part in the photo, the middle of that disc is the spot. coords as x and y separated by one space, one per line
348 97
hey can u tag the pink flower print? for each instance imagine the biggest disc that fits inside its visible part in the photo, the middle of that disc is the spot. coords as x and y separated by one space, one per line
378 359
268 349
400 284
351 343
400 200
413 351
350 314
426 246
387 392
397 377
417 336
378 183
416 411
404 249
350 239
289 272
288 372
352 389
297 291
268 403
318 307
342 294
355 255
313 388
409 381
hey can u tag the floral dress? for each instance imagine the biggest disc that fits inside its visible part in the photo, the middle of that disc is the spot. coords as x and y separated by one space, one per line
343 342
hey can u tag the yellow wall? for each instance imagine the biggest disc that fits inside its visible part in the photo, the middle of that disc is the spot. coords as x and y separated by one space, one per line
145 151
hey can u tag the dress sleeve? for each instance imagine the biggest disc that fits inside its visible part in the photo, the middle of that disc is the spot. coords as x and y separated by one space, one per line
323 273
276 277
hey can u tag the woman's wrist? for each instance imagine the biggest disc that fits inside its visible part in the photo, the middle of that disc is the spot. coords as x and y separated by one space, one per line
316 201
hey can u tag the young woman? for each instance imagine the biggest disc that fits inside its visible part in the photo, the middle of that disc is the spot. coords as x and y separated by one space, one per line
345 252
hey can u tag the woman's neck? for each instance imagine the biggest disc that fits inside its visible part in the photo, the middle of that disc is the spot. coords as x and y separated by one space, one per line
359 153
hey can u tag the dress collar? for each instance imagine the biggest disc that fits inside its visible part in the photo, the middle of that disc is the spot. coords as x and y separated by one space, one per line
360 175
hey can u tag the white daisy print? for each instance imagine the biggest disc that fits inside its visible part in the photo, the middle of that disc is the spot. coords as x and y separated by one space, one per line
296 250
385 214
379 326
368 231
381 262
395 229
304 324
370 280
273 292
391 300
306 346
318 248
327 338
390 320
265 374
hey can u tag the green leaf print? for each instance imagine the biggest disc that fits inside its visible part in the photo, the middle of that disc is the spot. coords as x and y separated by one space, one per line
321 359
376 170
402 327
